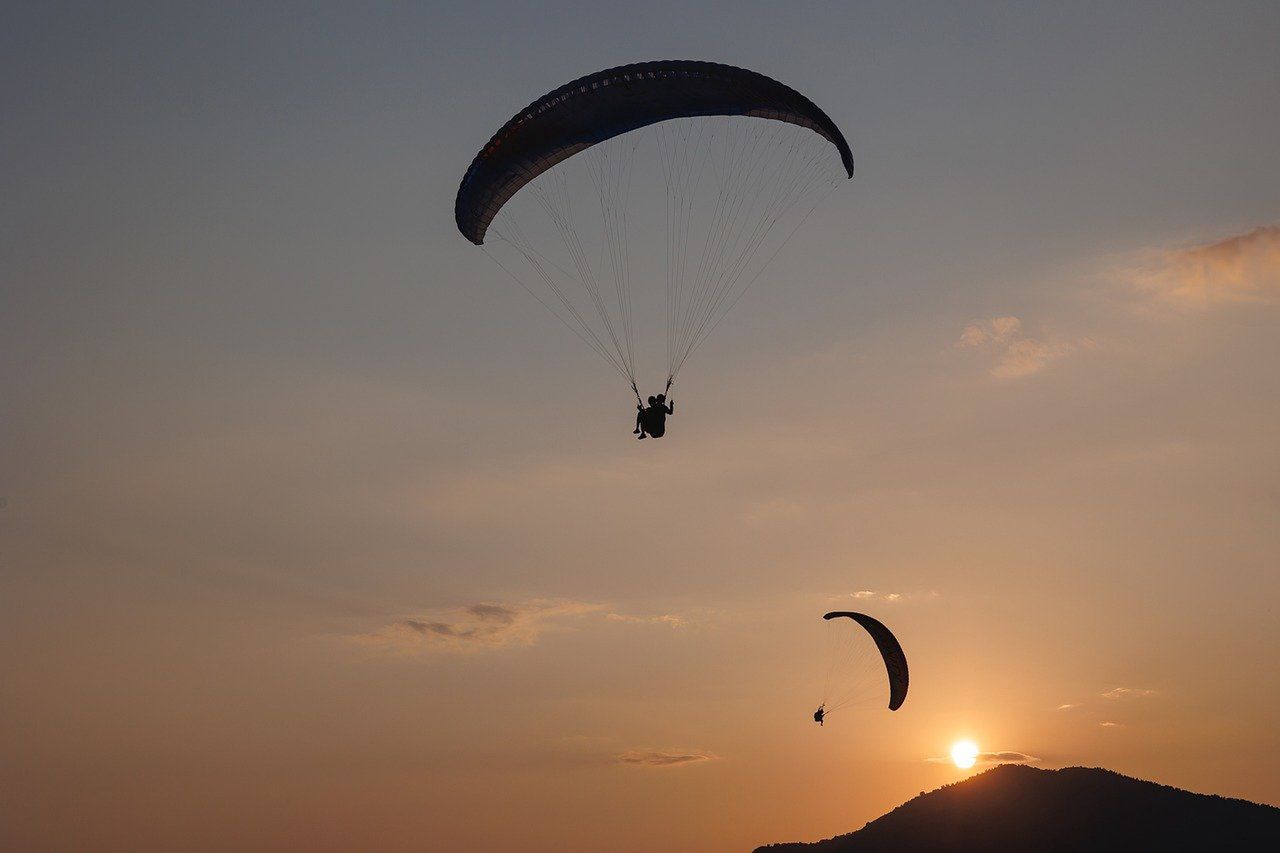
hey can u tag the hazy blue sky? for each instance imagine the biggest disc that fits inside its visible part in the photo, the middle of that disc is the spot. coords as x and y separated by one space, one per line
264 408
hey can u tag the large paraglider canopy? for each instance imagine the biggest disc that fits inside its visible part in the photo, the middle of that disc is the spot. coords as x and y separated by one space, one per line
851 669
609 103
738 158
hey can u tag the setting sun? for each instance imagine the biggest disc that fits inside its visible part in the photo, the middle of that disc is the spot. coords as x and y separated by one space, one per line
964 753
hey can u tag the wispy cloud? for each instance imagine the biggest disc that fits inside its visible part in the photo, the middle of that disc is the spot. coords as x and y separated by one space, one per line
1026 356
1241 268
880 595
1109 725
1002 757
479 626
1127 693
494 612
674 620
1006 758
490 625
663 757
996 330
1017 354
1067 706
866 594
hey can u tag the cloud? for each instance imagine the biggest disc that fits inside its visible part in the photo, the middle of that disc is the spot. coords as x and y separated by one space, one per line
1067 706
1006 758
490 626
675 620
1002 757
1017 354
1127 693
869 594
1109 725
663 757
1241 268
1025 356
479 626
996 330
496 612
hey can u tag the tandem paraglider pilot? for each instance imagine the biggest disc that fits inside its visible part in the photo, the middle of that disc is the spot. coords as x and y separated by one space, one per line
651 420
819 714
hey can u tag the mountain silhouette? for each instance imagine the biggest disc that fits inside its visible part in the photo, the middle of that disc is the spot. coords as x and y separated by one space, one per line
1018 808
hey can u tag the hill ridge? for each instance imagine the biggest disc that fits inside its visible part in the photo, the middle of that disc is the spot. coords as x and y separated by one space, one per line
1014 807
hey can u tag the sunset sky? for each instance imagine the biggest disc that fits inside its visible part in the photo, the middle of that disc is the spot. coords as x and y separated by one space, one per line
317 533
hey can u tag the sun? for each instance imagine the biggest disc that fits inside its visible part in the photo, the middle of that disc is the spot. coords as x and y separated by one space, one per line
964 753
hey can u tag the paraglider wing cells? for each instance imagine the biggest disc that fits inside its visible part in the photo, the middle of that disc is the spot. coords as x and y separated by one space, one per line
687 176
608 103
895 660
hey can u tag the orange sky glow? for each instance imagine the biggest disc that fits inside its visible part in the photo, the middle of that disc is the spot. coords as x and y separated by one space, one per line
317 534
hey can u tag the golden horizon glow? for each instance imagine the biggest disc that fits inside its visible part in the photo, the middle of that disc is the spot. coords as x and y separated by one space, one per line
964 753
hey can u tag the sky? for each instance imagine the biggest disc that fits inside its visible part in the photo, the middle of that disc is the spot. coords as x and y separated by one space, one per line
317 532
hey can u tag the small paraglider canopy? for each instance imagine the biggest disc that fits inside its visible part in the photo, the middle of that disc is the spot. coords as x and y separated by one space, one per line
849 670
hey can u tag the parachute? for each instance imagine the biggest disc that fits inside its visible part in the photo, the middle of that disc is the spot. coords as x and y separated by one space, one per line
855 667
690 173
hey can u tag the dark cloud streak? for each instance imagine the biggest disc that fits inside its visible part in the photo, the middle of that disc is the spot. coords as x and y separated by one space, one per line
494 613
1006 757
661 758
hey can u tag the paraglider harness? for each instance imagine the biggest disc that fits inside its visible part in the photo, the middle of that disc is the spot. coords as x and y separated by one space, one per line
643 416
820 714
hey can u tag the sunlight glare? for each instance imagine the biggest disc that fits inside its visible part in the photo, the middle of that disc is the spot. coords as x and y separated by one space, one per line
964 753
